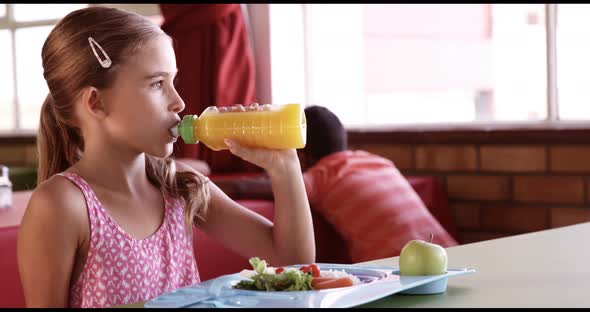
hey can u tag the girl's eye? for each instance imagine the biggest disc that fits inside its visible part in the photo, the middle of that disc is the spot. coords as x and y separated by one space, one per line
175 81
157 84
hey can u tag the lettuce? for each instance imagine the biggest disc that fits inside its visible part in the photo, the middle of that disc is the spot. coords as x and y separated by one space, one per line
288 280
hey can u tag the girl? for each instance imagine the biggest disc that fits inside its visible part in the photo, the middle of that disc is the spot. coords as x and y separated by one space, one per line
110 222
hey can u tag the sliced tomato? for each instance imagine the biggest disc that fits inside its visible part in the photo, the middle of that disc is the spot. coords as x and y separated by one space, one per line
306 269
279 270
315 270
312 268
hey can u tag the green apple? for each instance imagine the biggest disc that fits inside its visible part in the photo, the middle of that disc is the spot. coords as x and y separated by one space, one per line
419 257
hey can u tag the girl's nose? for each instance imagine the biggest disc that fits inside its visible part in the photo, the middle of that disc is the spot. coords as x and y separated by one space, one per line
177 105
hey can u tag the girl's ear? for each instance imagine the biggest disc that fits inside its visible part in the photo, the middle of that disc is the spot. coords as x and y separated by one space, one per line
93 103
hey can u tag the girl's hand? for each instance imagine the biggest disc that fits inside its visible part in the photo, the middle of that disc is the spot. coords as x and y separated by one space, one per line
271 160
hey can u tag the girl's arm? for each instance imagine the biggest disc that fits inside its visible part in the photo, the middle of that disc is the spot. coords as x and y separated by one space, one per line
289 239
48 238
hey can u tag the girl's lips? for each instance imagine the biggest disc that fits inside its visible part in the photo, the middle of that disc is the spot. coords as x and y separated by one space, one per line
172 138
174 131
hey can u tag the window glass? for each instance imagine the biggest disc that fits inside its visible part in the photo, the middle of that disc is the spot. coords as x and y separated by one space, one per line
286 44
392 64
7 121
454 63
36 12
573 63
31 86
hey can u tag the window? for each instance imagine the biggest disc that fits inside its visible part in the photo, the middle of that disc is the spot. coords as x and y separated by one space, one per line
573 62
287 71
42 12
23 30
401 64
31 87
22 87
6 82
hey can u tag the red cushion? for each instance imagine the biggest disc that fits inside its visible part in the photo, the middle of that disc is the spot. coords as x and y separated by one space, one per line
434 196
11 293
329 245
214 260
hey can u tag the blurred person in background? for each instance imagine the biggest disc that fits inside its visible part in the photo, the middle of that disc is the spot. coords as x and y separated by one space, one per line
364 196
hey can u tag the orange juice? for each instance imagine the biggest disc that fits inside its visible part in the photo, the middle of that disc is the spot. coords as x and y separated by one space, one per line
268 126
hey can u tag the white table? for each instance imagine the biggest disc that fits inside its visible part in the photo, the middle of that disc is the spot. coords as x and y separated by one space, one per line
538 270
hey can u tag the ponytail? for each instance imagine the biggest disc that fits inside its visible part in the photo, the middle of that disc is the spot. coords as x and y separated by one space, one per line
58 145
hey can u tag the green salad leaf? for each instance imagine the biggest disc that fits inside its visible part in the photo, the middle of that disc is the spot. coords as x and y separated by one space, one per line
288 280
258 265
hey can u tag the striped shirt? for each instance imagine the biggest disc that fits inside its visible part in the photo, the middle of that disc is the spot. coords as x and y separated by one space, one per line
371 204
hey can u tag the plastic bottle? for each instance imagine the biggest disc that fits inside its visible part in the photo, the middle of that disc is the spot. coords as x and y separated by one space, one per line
269 126
5 188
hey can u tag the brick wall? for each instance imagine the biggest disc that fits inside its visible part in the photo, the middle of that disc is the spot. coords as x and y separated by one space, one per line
500 188
498 184
18 153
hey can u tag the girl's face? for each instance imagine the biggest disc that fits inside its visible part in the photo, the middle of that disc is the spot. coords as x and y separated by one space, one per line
143 104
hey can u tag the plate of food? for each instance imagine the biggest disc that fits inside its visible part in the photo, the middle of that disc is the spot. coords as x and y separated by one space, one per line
316 285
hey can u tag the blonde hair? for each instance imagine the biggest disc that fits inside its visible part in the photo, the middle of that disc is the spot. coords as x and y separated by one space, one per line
69 65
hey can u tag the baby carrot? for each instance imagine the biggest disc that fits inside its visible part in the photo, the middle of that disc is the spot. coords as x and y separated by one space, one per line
330 282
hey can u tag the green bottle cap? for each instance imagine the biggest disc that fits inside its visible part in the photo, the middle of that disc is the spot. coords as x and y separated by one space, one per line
185 129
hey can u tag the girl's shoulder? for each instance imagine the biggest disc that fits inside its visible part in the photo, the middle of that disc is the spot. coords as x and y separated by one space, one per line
57 199
183 167
60 189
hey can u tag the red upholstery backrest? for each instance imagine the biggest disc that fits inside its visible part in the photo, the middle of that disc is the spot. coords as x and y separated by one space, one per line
11 293
214 260
329 245
432 192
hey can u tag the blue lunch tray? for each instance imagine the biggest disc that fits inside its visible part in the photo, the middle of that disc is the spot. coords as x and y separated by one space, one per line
378 282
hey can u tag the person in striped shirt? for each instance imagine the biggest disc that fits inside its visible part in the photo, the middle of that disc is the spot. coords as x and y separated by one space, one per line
364 196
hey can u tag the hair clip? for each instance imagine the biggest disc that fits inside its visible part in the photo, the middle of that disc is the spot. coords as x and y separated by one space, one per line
106 63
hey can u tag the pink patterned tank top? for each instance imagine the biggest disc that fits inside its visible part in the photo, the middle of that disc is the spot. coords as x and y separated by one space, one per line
120 269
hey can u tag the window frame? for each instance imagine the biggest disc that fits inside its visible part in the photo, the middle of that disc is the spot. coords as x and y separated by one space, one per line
551 46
